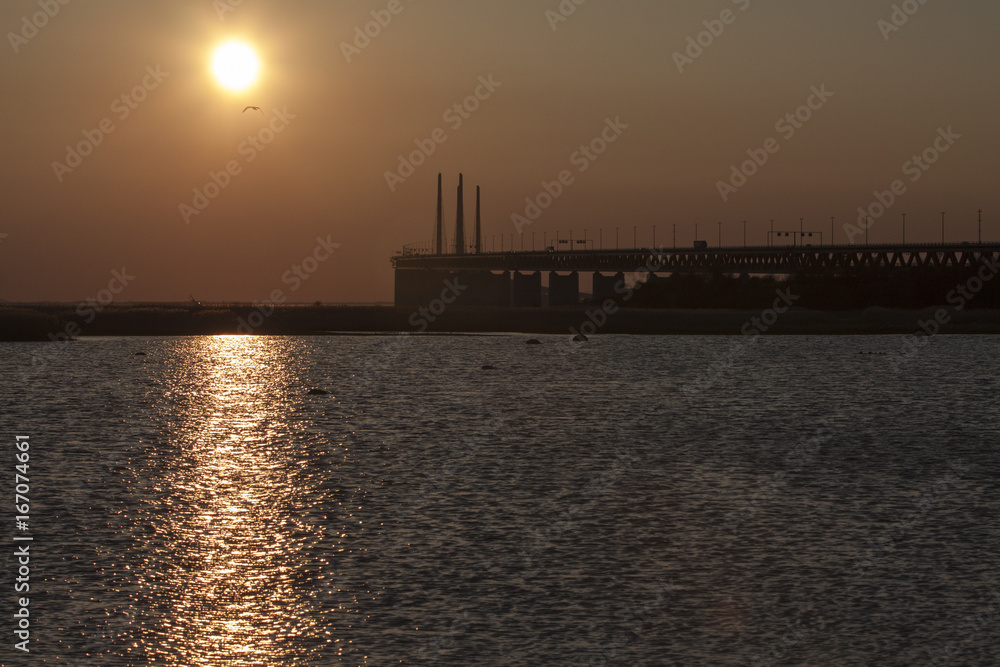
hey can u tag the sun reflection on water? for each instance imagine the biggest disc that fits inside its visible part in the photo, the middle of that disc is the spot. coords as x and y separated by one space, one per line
228 581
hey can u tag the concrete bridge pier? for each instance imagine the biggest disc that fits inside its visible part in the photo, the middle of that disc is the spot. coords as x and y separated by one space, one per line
418 287
604 286
486 288
564 290
526 290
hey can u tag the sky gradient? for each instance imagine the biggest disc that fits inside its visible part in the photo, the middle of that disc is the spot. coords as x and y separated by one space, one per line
337 119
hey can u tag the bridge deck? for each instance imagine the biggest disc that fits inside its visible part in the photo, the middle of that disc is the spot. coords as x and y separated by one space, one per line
740 259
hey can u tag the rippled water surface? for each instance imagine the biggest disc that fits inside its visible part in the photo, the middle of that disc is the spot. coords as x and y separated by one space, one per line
631 501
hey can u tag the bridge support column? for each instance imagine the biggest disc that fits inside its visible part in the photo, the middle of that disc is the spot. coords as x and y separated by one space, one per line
604 286
527 290
418 287
652 279
486 289
564 290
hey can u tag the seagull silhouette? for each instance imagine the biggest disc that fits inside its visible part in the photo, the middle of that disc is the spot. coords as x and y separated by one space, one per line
253 108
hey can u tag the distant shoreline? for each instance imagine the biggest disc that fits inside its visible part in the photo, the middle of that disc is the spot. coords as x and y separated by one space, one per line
41 322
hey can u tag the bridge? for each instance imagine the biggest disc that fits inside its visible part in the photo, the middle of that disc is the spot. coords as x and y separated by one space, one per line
515 278
428 273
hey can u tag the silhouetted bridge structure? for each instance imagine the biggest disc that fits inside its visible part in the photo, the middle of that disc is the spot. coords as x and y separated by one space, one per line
430 274
515 278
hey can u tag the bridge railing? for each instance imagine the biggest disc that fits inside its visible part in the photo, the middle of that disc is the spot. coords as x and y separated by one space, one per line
427 249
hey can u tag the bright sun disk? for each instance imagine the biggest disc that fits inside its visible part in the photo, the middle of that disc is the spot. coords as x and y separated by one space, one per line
235 66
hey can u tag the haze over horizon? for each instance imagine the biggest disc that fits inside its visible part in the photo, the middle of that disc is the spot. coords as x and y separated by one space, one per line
335 119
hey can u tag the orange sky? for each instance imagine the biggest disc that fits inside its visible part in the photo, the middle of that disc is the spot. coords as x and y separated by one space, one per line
555 84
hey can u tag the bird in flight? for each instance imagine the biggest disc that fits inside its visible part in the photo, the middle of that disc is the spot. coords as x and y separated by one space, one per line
253 109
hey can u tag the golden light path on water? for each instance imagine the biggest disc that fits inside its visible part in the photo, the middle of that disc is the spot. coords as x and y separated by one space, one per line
197 506
231 573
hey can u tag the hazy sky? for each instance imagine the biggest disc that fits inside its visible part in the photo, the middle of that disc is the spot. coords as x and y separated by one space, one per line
343 125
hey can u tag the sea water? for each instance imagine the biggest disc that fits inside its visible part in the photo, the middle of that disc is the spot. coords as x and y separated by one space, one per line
627 501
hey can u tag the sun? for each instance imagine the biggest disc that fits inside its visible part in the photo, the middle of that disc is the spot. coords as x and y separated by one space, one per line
235 66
